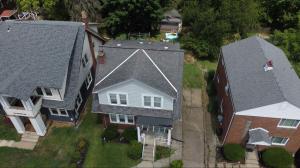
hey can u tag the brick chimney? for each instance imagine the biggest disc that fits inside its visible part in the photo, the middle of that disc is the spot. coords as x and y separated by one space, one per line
101 56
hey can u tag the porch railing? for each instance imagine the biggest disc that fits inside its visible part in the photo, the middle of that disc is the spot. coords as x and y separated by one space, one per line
144 142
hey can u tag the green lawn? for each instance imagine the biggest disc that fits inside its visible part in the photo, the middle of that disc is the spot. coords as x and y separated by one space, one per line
57 147
8 132
193 73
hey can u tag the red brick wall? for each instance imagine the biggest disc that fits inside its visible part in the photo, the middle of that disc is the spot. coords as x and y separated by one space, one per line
227 105
106 122
239 123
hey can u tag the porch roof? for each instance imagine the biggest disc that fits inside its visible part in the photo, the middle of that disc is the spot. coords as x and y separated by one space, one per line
259 136
153 121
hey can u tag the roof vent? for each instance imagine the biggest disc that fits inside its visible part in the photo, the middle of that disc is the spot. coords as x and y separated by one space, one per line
119 44
141 42
8 29
268 66
166 47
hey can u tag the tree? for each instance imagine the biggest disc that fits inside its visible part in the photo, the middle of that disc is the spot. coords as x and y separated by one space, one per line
29 5
124 16
280 14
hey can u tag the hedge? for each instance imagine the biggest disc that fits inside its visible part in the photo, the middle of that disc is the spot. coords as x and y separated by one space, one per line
110 133
233 152
277 157
135 150
176 164
130 134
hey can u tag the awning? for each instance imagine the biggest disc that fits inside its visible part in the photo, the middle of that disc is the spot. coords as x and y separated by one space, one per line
259 136
153 121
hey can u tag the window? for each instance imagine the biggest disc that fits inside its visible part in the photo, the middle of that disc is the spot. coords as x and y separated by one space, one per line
279 141
113 98
58 112
118 98
152 101
78 101
123 99
288 123
147 101
221 107
157 102
39 91
121 119
84 60
14 102
48 92
88 80
44 92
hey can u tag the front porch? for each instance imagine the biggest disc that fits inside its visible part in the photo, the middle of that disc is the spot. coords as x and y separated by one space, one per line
160 134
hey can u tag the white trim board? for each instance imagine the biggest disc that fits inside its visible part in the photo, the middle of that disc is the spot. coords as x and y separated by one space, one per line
278 110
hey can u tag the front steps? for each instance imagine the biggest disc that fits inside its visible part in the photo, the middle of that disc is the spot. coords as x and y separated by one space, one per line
148 152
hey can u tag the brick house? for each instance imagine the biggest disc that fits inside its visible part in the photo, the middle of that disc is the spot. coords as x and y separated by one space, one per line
259 95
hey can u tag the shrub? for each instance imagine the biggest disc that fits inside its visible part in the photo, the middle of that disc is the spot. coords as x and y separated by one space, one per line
162 152
130 134
233 152
82 145
277 157
110 133
135 150
176 164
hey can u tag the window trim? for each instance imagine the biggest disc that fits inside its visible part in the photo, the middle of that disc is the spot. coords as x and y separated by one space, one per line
282 126
280 144
88 80
118 98
152 101
78 105
84 60
118 119
59 112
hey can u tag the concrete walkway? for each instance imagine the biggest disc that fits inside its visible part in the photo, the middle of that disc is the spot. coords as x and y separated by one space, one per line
193 129
28 141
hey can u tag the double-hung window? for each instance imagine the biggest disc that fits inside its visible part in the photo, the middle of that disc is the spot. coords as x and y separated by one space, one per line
121 118
288 123
78 101
279 141
44 91
152 101
58 112
84 60
118 99
88 80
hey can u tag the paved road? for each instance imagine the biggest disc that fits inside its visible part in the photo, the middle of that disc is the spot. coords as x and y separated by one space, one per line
193 129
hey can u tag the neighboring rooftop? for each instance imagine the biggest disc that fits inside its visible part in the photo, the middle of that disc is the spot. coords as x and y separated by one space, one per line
39 54
172 13
250 85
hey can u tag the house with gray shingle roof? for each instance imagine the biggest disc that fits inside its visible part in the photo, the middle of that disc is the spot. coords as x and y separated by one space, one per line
259 95
47 72
138 84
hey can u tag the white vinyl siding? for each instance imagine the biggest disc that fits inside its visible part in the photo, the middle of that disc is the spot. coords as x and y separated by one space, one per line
118 99
279 141
58 112
288 123
121 119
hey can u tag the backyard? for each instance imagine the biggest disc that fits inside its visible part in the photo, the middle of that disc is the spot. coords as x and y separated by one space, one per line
57 148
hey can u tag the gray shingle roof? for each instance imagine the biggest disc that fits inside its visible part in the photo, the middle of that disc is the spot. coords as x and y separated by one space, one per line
153 121
250 86
259 136
39 54
139 66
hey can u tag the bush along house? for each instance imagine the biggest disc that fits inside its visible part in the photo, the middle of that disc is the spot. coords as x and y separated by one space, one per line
258 93
138 84
47 72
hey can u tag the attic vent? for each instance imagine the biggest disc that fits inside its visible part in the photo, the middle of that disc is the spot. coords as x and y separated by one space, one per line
119 44
166 47
268 66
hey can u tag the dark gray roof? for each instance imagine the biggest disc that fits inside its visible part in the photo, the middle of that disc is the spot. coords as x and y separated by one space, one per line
172 13
259 135
250 86
140 67
102 108
153 121
39 54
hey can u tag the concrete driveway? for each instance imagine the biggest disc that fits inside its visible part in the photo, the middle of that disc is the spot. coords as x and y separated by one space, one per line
193 129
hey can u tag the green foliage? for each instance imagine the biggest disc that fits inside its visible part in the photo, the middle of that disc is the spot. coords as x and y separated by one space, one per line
29 5
124 16
280 14
135 150
82 145
233 152
110 133
277 157
162 152
130 134
176 164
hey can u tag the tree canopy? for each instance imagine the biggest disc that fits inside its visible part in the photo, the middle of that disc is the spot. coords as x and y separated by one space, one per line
124 16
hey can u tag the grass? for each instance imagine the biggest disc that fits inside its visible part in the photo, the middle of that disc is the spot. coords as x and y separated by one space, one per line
58 146
8 131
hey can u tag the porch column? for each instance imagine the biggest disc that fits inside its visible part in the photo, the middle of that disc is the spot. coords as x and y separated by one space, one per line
169 137
138 130
17 122
38 125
